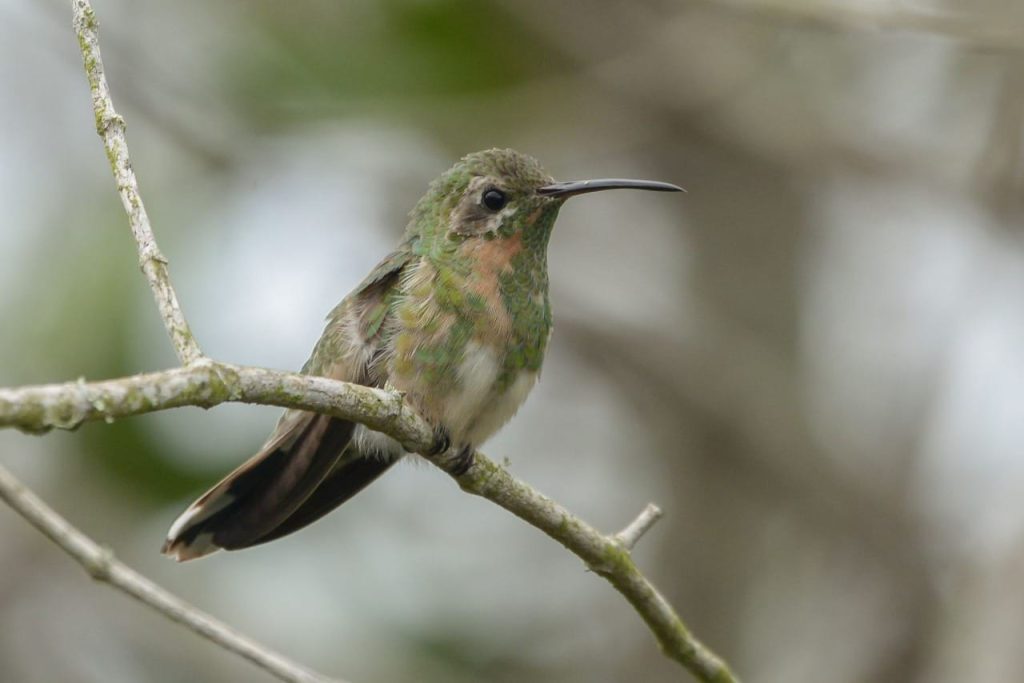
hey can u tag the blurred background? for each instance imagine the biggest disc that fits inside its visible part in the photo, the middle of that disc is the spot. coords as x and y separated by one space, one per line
813 361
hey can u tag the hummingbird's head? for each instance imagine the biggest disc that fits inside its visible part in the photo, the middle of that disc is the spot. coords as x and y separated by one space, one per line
500 193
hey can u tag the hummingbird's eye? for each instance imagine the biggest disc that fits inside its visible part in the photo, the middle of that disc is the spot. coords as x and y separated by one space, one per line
494 200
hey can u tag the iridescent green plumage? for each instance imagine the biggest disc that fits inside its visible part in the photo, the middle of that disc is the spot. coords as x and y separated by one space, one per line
457 318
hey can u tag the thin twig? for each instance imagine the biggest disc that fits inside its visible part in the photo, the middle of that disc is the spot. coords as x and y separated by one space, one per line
629 536
101 565
111 128
37 409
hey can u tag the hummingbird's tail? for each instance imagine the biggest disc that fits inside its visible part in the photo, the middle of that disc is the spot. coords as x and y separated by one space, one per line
296 478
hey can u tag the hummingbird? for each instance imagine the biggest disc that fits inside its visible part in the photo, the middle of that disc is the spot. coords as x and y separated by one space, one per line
457 319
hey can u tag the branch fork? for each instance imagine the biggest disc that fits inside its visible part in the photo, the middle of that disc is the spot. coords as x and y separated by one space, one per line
631 535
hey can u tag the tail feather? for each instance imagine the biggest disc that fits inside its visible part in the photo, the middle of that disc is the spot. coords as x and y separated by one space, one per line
347 479
260 495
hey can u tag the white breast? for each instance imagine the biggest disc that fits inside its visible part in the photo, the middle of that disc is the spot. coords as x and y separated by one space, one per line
475 376
501 408
475 410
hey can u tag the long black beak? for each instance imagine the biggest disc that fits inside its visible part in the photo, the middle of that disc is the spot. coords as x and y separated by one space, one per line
575 187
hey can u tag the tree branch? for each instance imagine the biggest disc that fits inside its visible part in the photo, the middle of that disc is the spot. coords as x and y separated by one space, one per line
37 409
101 565
111 128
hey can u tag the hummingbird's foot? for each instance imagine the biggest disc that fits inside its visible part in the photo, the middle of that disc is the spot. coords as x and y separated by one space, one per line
442 442
463 461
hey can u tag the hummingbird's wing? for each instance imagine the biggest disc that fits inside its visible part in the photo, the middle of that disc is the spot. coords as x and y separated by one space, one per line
354 470
300 473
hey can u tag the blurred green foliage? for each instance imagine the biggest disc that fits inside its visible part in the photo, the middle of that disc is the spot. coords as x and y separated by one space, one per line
397 49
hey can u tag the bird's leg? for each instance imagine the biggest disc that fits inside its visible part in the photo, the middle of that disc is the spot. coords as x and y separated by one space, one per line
463 461
442 442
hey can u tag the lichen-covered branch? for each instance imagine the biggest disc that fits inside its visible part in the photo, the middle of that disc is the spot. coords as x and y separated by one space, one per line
38 409
208 383
101 565
111 128
603 554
